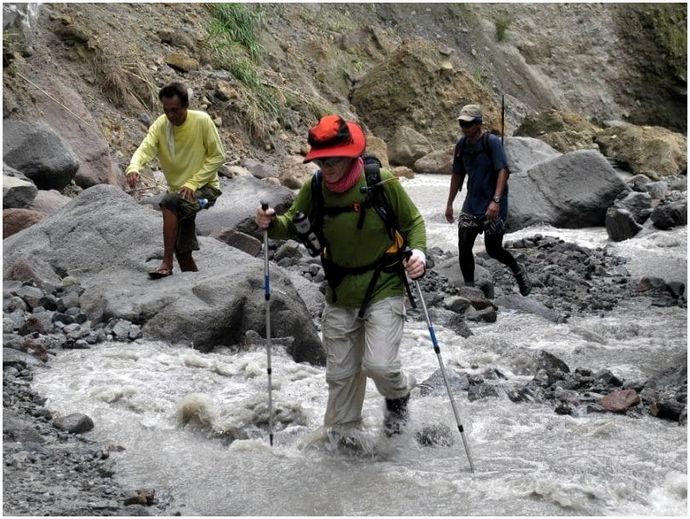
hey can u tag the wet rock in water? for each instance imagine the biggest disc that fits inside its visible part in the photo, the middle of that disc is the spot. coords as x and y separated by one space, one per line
144 497
530 392
120 329
435 384
608 378
456 304
481 390
76 423
620 400
527 305
668 408
15 357
285 413
487 315
670 214
621 224
435 435
458 324
531 363
564 409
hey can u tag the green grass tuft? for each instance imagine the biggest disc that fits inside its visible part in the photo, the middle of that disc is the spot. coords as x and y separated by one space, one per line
239 24
502 24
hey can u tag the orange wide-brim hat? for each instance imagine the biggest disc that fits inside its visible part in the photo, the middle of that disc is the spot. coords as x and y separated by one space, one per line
335 137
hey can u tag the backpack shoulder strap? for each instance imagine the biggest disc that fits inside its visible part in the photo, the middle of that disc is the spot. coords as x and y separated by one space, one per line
485 144
458 154
317 205
377 196
460 147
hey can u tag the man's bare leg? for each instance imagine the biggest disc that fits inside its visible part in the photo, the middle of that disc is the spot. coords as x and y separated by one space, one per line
170 225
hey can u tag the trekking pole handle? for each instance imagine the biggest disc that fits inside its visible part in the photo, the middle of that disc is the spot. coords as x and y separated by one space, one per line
264 206
407 254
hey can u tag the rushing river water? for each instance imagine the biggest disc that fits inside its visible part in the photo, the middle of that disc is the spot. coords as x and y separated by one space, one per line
529 460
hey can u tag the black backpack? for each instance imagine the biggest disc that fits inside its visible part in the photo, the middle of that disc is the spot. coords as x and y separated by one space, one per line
460 147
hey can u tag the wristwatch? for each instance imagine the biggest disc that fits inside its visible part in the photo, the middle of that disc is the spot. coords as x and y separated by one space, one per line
497 199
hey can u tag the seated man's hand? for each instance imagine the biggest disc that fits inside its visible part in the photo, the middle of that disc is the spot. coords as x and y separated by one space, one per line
187 194
132 179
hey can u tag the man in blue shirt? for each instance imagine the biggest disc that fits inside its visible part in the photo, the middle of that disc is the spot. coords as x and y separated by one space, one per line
480 157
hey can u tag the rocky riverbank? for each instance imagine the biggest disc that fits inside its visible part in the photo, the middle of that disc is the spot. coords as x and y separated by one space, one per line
50 467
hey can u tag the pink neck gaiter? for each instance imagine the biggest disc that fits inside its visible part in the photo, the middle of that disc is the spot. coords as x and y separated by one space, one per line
349 179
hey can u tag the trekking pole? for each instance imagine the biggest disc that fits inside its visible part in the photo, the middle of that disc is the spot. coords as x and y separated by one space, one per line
503 117
437 349
267 296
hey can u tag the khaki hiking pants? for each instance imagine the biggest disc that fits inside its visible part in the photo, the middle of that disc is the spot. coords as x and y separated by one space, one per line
360 348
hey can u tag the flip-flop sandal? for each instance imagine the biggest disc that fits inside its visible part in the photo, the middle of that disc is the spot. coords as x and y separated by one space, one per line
160 273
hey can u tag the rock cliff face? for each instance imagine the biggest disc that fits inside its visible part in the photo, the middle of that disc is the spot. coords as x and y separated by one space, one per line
97 68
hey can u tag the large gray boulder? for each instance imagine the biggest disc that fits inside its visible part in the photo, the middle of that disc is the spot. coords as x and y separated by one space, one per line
407 146
236 207
572 191
39 152
523 153
83 135
104 238
438 162
49 202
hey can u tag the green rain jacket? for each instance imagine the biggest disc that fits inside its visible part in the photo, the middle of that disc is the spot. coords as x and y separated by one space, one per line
351 247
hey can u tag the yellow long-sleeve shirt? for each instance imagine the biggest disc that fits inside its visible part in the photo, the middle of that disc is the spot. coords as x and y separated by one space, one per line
193 160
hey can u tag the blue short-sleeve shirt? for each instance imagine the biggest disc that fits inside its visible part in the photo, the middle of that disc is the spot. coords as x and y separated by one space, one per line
482 173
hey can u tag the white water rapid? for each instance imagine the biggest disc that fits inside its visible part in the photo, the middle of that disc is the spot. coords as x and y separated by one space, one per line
529 460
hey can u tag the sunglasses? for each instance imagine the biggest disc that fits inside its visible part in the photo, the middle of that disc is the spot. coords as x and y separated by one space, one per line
330 161
467 124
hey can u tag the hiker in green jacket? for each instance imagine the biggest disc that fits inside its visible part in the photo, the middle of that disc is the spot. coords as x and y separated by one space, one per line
190 152
362 323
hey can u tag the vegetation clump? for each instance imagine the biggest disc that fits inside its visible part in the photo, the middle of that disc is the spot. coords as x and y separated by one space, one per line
669 23
502 23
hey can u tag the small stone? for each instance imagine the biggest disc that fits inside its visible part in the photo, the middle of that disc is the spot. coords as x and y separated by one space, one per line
76 423
620 400
144 497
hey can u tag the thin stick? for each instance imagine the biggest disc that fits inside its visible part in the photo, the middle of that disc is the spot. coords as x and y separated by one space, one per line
267 296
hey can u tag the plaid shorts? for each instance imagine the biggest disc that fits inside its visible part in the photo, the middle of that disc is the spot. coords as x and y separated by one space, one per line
185 209
489 227
186 213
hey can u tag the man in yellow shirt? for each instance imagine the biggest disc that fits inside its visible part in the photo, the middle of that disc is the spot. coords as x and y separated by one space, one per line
190 152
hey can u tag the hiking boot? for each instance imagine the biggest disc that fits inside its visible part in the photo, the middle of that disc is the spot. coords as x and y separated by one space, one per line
397 415
186 262
523 281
